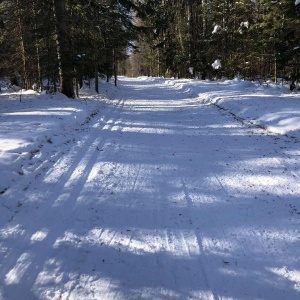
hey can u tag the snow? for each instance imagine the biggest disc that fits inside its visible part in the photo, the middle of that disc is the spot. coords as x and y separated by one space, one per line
244 24
217 28
216 64
156 189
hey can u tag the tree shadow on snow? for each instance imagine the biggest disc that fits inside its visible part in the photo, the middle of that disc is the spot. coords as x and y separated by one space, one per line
159 205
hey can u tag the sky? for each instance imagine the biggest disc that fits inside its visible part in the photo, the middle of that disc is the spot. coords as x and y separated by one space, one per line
155 189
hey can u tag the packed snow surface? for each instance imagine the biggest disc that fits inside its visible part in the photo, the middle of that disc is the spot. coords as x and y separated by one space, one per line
156 189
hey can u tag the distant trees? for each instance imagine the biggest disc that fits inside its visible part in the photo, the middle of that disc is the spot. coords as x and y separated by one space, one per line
63 40
69 40
28 51
250 37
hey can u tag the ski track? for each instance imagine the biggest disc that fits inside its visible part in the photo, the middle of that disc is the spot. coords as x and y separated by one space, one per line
163 197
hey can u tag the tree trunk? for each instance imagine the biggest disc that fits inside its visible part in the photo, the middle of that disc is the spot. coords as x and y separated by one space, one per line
37 49
114 67
96 79
275 68
65 67
25 78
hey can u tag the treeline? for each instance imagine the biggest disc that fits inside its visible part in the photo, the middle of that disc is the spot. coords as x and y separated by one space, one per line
64 40
67 41
253 38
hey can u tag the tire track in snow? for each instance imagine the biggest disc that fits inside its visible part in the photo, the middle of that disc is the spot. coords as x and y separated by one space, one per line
177 242
201 257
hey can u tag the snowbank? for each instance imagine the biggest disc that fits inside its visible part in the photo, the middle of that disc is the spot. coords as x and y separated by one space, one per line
272 107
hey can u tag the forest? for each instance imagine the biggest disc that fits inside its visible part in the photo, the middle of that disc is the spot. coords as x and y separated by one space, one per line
71 41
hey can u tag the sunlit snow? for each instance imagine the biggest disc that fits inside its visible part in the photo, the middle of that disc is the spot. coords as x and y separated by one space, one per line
155 189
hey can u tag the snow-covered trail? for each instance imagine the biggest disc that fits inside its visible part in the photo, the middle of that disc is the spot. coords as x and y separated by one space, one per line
161 197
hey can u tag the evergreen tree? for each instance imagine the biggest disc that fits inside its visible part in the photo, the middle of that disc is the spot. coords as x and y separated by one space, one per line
280 36
64 39
71 40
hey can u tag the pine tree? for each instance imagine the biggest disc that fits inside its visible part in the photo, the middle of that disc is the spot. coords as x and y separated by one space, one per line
280 35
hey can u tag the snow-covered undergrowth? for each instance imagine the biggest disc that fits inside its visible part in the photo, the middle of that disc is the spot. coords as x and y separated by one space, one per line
156 189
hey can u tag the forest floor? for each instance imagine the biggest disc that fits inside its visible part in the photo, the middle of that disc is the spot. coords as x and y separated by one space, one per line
156 189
